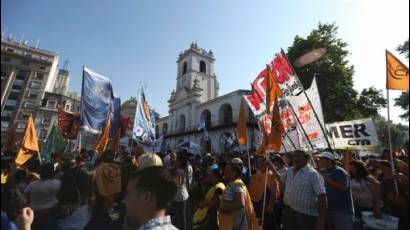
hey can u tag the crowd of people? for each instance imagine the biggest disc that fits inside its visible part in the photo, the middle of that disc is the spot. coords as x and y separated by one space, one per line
179 190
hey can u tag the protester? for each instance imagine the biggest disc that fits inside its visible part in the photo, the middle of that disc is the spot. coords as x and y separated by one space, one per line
206 216
108 179
236 209
75 198
149 159
396 203
257 190
340 212
149 192
365 189
304 195
182 173
41 195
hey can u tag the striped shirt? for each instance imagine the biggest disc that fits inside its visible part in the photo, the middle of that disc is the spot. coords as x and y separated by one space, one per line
302 189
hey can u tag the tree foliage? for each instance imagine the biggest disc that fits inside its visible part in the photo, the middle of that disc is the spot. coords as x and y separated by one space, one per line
370 101
399 133
340 100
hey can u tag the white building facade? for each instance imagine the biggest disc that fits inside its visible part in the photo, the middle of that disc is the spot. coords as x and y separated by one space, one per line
196 96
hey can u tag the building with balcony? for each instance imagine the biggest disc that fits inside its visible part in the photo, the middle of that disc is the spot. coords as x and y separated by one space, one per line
26 74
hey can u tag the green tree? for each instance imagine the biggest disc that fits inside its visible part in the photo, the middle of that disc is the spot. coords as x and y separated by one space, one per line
399 133
335 74
403 100
370 101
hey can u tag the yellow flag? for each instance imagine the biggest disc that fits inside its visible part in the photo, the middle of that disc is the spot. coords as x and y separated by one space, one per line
29 144
102 142
11 138
275 137
241 126
116 141
397 73
272 89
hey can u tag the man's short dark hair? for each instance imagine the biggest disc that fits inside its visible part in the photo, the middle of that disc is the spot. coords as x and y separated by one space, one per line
159 182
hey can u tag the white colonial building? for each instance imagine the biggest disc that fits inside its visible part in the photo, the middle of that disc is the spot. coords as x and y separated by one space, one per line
196 95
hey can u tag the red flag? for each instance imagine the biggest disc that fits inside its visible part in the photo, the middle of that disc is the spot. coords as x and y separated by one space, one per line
68 124
124 121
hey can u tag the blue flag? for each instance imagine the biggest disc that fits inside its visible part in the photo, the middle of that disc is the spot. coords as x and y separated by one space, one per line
96 101
144 123
115 115
202 126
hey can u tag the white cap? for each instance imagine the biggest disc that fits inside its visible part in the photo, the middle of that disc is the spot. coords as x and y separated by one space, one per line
327 155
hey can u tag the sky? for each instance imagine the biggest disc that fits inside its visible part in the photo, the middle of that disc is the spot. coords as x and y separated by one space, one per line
138 42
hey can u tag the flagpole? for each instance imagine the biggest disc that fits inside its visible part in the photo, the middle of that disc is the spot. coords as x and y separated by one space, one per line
264 192
310 103
291 142
294 114
284 148
393 165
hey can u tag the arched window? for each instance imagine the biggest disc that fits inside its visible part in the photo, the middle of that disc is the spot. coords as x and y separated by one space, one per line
182 123
206 114
225 114
202 67
184 68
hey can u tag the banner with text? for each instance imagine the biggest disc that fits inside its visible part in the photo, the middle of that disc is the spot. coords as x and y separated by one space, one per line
356 134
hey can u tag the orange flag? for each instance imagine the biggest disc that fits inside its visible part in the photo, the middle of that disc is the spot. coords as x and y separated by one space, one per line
116 141
397 73
29 144
11 138
241 126
275 137
102 142
272 90
272 140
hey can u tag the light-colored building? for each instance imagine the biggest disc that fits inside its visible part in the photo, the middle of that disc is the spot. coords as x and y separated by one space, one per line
196 96
26 74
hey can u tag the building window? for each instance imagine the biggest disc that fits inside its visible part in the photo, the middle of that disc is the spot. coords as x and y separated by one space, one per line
24 115
202 67
46 120
35 85
6 59
67 107
13 95
42 67
164 128
21 75
10 50
5 124
5 118
11 102
9 108
51 104
184 67
3 75
225 114
21 125
39 76
29 105
16 87
32 94
182 123
25 63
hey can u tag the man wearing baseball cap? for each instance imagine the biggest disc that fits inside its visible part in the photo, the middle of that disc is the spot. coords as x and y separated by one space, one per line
340 213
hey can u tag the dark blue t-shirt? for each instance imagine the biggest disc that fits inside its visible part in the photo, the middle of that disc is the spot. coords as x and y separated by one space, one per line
338 201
